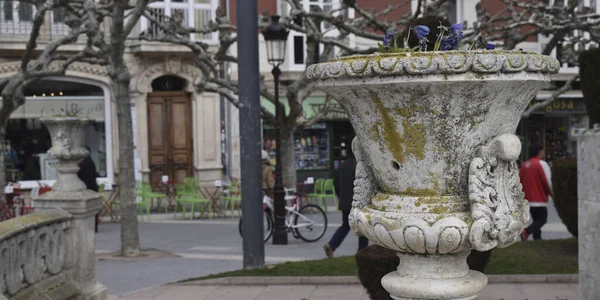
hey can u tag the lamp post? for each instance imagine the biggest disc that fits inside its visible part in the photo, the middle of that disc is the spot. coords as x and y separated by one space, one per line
275 39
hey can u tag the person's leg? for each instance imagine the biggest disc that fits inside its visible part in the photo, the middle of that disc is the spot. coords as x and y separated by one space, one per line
542 218
339 235
539 219
363 242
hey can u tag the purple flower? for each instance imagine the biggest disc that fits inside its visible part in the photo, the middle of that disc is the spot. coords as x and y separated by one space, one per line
388 37
456 27
490 46
421 31
450 43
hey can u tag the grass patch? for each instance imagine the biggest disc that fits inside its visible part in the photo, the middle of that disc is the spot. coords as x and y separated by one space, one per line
532 257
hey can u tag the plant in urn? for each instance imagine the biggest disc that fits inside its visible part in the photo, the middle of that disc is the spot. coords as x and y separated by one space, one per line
437 173
67 146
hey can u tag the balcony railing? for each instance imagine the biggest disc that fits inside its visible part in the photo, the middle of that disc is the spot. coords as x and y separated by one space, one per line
16 21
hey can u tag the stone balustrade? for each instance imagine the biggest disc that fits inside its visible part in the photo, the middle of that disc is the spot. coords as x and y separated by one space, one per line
33 264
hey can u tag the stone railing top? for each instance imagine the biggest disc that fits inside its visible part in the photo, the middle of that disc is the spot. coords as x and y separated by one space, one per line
18 225
427 63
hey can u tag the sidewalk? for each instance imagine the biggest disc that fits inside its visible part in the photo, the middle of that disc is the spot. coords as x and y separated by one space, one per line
493 291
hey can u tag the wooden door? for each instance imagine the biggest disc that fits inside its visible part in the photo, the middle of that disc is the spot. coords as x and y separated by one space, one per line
169 136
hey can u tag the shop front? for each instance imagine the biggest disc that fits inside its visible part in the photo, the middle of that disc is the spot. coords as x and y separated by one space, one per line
555 127
320 148
27 139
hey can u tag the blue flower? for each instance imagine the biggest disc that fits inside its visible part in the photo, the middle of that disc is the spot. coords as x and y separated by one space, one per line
421 31
388 37
490 46
456 30
450 43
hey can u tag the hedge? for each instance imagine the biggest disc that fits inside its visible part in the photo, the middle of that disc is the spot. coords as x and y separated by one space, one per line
589 77
564 186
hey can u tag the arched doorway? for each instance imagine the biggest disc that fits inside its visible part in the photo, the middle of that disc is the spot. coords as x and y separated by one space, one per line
170 145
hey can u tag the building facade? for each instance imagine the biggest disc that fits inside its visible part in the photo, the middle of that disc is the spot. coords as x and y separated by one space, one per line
180 133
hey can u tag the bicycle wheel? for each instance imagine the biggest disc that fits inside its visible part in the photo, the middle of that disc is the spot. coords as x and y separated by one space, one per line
267 226
310 223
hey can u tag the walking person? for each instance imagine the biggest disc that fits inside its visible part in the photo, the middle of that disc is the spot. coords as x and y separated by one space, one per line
536 180
268 179
87 174
344 188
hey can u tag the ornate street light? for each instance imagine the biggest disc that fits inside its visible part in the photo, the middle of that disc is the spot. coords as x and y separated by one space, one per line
275 39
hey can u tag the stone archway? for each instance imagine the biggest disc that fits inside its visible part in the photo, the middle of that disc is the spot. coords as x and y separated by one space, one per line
145 95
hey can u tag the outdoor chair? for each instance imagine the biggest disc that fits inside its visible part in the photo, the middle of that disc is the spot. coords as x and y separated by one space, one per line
328 191
233 198
189 193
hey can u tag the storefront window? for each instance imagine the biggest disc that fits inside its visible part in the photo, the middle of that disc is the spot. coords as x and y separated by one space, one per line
28 140
311 147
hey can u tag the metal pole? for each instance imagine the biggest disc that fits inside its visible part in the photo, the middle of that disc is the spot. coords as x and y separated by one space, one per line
280 236
251 163
224 157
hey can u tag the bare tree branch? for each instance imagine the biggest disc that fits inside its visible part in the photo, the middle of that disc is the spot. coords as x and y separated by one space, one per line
565 88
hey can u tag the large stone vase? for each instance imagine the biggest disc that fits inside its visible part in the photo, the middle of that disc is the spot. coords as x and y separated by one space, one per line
67 135
437 174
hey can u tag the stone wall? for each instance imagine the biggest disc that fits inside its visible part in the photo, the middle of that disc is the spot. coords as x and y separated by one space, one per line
33 264
588 177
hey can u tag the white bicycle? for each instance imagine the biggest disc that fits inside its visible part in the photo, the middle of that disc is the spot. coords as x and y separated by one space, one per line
307 223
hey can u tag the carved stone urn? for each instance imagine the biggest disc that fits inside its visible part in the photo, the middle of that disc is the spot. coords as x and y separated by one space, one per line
67 135
437 174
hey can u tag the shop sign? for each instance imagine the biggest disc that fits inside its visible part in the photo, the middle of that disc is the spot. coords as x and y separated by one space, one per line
561 105
33 109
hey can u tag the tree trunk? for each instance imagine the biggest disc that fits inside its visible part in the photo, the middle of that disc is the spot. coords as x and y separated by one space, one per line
2 168
288 159
121 78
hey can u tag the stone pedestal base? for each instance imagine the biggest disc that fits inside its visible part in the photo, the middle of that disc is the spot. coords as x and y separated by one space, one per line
434 277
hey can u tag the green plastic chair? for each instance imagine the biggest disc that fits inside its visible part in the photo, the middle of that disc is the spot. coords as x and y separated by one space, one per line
142 202
317 189
328 192
234 197
189 193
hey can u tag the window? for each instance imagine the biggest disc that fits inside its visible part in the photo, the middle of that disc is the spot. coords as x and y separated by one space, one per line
28 140
296 56
16 17
189 13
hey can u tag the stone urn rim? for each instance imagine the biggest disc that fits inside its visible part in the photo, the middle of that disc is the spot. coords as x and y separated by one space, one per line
479 62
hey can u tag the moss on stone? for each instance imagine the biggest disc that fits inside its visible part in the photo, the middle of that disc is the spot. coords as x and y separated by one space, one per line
411 142
419 192
381 197
440 209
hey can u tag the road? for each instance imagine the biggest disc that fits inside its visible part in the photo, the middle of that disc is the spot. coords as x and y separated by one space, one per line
213 246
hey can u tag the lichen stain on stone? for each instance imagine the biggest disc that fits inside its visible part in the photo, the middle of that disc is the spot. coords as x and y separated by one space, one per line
381 197
419 193
390 134
411 142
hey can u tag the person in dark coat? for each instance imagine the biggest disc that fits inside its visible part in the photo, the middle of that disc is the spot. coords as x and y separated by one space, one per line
87 174
344 188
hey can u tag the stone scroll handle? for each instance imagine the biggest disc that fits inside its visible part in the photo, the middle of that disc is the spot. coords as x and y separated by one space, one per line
364 182
498 207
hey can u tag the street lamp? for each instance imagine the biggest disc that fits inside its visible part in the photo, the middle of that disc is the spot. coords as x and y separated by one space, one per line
275 39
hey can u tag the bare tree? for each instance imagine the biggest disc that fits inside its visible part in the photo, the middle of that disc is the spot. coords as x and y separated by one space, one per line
37 63
570 25
122 17
320 45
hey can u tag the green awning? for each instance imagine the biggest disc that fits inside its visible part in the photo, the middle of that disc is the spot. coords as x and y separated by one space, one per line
311 106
